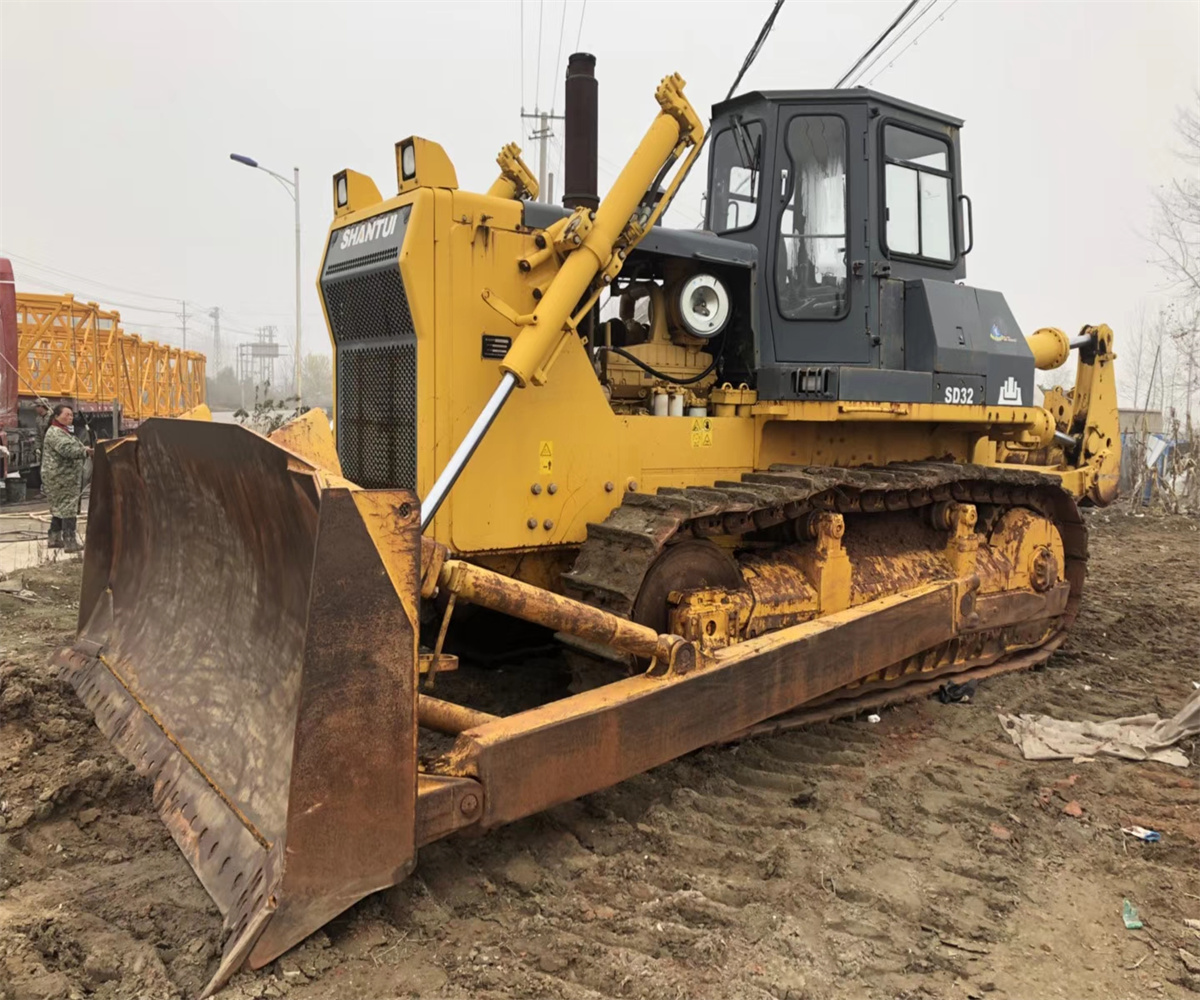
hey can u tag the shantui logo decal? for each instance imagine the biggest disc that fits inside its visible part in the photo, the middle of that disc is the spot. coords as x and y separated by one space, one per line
1000 336
1010 392
365 232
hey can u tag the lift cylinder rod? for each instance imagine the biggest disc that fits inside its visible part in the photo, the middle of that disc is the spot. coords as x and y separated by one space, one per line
466 448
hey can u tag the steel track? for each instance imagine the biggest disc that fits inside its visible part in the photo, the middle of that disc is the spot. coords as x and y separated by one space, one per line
619 551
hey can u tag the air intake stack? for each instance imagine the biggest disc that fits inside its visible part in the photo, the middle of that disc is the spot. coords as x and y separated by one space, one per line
579 184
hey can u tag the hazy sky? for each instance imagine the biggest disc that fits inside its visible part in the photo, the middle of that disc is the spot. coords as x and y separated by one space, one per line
117 120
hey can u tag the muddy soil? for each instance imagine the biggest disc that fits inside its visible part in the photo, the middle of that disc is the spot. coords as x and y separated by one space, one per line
919 857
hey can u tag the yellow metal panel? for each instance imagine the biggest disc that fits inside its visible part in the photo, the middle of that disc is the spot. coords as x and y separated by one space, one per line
433 166
663 451
385 512
310 437
494 504
201 412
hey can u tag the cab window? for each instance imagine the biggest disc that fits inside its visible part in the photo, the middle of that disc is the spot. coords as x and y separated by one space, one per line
919 193
810 258
737 160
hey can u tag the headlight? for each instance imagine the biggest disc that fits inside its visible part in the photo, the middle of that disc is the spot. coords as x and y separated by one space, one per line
340 192
408 162
703 305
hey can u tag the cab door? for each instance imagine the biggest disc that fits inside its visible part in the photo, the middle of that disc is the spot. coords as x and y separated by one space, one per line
817 249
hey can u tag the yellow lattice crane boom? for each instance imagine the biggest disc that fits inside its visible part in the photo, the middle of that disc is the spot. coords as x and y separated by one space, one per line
62 349
79 352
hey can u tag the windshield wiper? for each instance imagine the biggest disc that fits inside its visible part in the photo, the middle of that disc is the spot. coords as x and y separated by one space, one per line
749 153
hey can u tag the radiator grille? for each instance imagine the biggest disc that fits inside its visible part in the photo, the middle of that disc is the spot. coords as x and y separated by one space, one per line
376 377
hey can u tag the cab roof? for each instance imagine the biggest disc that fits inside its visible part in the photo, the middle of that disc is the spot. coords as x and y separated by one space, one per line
851 95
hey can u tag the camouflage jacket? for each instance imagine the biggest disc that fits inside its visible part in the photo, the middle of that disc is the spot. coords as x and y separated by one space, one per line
62 471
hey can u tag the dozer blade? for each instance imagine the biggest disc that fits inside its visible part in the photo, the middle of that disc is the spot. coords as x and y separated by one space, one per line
248 639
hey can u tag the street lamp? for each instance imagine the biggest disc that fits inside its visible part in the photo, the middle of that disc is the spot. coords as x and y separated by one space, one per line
292 187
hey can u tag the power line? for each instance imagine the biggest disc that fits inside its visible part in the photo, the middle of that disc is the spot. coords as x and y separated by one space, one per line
940 17
562 23
579 33
895 40
768 24
29 262
521 3
59 288
537 87
51 282
875 44
763 32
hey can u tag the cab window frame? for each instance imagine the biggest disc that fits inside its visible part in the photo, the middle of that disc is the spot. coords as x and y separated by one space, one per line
781 206
950 174
757 200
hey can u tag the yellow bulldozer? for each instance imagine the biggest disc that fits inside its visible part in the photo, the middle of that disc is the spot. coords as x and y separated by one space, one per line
788 462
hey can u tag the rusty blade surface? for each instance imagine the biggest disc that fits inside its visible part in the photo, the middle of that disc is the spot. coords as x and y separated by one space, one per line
243 643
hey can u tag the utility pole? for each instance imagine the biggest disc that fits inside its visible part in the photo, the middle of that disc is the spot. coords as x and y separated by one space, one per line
215 313
543 133
543 136
184 304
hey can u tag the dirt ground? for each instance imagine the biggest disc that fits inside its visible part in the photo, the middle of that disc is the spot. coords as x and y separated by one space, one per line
919 857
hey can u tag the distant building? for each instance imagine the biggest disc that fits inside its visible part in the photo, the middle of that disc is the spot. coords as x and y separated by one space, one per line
1135 421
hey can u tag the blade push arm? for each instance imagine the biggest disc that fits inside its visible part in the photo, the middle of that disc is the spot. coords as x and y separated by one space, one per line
1086 415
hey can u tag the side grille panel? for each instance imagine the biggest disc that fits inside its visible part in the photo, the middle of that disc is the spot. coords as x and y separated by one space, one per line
377 414
370 306
376 347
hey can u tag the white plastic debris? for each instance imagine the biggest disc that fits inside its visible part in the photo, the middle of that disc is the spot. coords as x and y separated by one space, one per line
1150 836
872 718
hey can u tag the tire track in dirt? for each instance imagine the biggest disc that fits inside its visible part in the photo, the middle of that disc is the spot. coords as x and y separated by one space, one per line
914 857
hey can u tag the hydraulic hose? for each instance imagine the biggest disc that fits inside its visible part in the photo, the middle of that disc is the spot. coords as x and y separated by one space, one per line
662 375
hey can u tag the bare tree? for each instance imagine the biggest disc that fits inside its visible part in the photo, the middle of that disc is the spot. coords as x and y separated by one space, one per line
1176 235
1176 241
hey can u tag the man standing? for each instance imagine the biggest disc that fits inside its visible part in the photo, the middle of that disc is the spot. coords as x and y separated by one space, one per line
44 418
62 478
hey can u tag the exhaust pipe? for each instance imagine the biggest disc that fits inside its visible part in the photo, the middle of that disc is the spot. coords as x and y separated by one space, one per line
582 146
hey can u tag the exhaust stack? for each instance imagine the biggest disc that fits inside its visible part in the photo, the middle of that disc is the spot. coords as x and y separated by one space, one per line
582 118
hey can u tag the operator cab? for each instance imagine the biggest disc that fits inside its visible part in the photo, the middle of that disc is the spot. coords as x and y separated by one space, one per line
854 204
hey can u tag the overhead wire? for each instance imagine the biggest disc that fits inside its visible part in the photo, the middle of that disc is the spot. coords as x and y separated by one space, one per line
941 17
51 280
59 288
875 44
763 32
579 33
558 55
38 265
521 4
537 87
755 48
895 40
